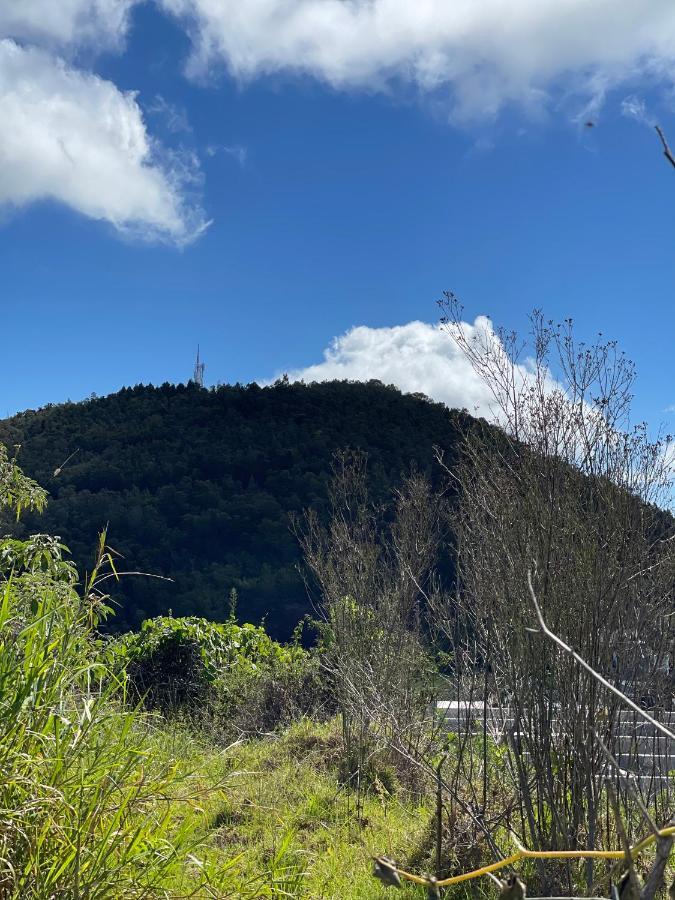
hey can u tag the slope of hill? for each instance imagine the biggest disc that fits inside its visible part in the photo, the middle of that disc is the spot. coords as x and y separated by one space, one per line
198 484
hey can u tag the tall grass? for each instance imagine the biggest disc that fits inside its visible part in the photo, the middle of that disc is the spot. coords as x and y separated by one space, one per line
91 806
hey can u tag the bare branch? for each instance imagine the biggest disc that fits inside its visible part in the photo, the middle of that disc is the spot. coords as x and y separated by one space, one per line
630 890
630 784
664 846
666 149
598 677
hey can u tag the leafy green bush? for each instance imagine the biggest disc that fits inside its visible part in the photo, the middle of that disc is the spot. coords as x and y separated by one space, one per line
175 663
279 695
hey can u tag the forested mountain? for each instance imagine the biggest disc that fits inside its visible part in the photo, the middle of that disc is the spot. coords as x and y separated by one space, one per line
198 484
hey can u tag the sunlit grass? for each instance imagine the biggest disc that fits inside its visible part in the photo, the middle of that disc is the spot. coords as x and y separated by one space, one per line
293 826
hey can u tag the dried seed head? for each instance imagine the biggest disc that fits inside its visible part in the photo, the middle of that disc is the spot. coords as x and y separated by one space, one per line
385 870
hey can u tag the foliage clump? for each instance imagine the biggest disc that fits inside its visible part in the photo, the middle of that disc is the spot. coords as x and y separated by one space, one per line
175 662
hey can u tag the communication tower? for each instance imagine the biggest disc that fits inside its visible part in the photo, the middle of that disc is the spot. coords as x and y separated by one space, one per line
198 376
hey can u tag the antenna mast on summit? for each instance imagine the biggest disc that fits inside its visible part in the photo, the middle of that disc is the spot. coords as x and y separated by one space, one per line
198 376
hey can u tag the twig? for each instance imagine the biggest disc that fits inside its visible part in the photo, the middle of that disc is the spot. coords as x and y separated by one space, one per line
629 784
633 891
439 814
598 677
59 469
666 149
664 839
119 575
665 835
664 845
463 805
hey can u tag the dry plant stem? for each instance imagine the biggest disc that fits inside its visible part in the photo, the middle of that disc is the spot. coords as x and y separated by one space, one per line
633 890
664 846
598 677
666 149
561 482
664 838
565 481
117 575
439 814
424 767
628 782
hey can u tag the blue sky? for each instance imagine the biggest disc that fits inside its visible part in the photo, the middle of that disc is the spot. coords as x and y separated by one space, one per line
182 171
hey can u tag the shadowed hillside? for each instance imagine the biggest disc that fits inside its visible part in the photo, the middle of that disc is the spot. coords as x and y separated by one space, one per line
198 484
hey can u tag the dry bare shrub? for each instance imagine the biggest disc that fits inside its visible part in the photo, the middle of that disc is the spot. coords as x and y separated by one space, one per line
375 574
566 488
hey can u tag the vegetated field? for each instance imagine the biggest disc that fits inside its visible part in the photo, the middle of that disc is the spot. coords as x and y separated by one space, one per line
106 798
103 798
195 759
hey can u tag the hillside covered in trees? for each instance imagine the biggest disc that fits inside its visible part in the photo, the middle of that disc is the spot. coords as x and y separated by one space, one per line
199 485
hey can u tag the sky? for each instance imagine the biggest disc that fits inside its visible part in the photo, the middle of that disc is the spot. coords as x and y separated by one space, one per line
292 184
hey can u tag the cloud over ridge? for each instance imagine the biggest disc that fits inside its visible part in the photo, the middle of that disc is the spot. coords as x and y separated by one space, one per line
417 357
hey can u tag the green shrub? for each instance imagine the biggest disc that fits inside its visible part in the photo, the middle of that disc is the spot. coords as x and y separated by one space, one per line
277 696
179 664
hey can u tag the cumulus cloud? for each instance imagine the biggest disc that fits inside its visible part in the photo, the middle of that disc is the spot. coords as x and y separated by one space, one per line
66 23
417 358
70 136
488 53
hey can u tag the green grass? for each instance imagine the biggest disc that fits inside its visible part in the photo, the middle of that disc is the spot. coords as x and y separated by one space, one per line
99 800
291 827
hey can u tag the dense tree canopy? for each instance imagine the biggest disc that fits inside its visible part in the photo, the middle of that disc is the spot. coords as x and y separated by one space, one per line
198 485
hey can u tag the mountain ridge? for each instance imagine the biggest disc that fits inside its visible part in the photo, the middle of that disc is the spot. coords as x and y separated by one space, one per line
197 484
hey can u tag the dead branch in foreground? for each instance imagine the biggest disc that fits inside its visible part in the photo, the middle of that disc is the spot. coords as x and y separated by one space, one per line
666 149
513 888
591 671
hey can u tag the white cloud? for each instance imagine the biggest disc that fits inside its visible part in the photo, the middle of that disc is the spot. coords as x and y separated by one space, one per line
73 137
417 358
424 358
236 151
66 23
487 53
635 108
175 117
